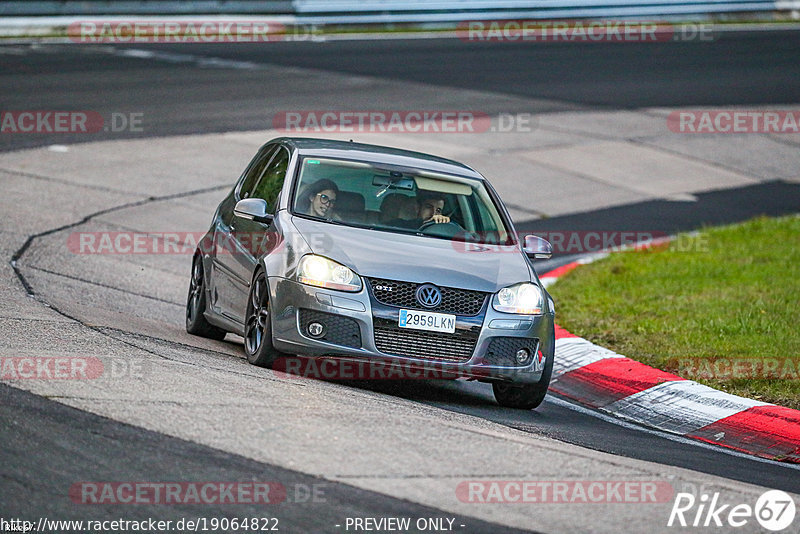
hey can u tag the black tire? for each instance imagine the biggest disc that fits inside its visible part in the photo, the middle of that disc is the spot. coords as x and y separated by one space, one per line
258 325
196 322
526 396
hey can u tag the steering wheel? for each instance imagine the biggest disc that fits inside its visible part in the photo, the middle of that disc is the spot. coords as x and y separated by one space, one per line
448 229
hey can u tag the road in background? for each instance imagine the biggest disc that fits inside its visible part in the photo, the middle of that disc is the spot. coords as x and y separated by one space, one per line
136 303
187 91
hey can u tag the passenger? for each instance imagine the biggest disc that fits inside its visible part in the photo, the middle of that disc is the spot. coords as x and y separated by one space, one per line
398 206
409 209
390 207
319 199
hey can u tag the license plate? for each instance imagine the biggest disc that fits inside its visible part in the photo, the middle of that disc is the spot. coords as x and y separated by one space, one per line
422 320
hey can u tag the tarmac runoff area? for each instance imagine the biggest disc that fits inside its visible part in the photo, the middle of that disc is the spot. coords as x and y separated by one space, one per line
126 310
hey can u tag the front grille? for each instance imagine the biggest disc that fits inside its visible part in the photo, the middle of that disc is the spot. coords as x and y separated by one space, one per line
502 350
425 345
338 330
403 295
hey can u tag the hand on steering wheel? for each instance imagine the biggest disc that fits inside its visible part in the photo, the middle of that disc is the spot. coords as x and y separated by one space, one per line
436 219
426 225
445 229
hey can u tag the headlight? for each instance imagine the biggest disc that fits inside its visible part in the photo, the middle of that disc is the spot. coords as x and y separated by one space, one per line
322 272
525 298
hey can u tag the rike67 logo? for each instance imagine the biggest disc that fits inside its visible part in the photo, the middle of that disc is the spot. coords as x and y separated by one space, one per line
774 510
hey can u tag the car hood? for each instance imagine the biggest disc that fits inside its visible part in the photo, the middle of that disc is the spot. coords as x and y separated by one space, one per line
412 258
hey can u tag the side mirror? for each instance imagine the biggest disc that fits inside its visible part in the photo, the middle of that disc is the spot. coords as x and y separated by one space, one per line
254 209
537 248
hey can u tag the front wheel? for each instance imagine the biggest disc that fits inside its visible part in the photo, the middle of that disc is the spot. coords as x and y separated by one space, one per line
258 325
525 396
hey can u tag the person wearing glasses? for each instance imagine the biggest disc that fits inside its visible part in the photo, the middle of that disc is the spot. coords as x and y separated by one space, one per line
320 198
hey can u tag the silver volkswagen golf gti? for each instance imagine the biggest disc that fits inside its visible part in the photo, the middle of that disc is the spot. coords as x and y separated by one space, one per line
331 249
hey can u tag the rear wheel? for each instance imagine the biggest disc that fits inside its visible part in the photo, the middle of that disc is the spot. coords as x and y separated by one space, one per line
196 322
258 325
525 396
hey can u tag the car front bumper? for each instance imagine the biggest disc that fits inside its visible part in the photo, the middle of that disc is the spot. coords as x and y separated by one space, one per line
352 319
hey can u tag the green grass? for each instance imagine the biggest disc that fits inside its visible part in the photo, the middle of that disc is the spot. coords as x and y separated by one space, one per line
722 308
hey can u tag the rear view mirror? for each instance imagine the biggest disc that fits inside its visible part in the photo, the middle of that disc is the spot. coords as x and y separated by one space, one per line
391 182
537 248
254 209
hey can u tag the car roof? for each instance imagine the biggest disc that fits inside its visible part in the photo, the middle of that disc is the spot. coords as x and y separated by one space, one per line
377 153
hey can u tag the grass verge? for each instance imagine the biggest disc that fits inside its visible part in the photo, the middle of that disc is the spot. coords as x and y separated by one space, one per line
721 308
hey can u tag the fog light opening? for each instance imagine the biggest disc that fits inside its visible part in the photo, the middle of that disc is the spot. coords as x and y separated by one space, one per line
523 356
315 330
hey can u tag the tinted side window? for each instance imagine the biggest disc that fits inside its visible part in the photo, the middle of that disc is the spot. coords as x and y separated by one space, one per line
255 171
271 181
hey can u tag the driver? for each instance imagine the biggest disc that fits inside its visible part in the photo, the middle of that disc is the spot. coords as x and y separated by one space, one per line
426 208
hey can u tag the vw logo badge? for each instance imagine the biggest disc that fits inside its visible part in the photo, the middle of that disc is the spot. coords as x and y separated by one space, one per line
429 295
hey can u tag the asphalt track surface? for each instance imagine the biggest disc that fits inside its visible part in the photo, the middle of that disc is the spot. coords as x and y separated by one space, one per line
185 93
103 449
182 97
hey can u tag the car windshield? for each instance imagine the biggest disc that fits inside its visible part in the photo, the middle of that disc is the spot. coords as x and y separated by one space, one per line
401 200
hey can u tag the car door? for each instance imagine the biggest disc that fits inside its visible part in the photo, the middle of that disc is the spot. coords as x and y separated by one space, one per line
254 239
226 283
